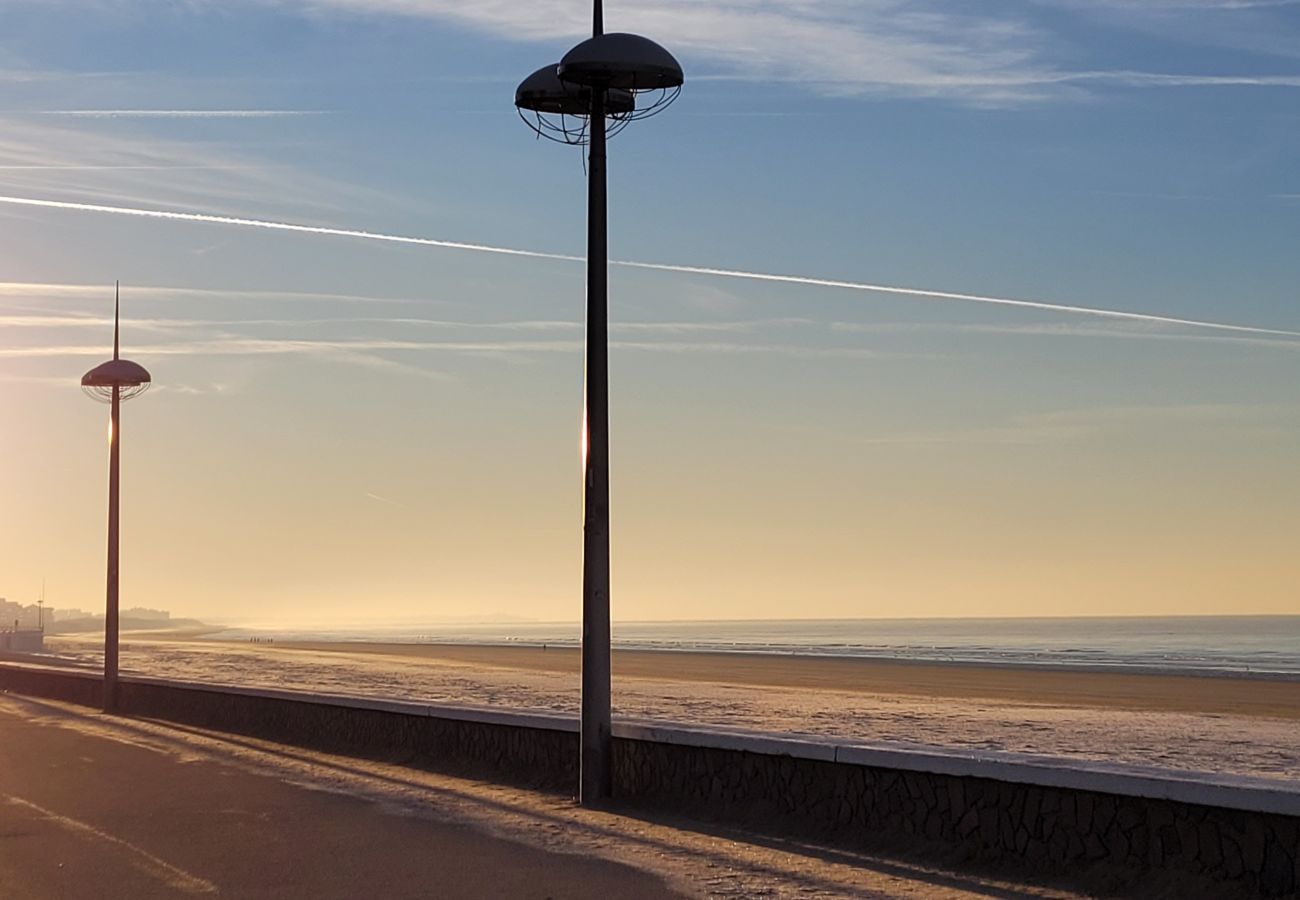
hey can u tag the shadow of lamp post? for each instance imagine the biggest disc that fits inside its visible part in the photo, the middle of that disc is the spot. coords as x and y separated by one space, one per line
113 382
596 90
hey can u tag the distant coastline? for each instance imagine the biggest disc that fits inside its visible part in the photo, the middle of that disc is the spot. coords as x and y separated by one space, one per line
96 623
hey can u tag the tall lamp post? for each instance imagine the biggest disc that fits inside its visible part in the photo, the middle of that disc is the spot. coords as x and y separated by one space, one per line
113 382
599 87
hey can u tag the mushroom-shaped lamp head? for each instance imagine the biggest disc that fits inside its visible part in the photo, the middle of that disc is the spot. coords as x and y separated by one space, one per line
544 92
626 61
131 379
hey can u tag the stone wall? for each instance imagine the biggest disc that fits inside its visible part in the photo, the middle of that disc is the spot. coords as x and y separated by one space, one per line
1051 829
81 688
534 751
1218 837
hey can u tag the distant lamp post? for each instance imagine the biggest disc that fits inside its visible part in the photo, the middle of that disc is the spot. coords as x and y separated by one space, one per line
598 88
113 382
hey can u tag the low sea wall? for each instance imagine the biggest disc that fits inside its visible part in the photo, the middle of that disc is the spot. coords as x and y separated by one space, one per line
74 687
1233 837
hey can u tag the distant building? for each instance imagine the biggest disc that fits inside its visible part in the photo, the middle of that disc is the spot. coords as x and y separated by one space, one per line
139 612
15 615
22 640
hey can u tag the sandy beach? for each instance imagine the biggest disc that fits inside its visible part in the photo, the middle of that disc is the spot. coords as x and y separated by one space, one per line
1245 696
1231 725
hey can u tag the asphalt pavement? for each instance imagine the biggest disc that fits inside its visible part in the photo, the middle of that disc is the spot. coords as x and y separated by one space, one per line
85 817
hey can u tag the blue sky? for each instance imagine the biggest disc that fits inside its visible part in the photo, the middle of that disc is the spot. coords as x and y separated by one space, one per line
337 415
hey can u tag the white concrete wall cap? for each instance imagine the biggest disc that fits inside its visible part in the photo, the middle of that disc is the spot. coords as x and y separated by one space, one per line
771 745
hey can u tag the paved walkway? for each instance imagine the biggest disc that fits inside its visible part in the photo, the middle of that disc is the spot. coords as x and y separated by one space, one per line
103 807
86 816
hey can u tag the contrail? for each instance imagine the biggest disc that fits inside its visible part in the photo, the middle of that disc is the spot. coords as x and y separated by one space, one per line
660 267
283 226
969 298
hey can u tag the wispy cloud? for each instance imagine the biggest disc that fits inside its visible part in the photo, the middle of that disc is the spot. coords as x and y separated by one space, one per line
1112 330
984 54
1001 54
1266 27
199 337
925 46
352 350
249 346
76 156
362 353
180 113
1066 425
43 380
102 295
1157 79
386 500
114 168
67 319
1214 4
809 281
998 435
189 390
1160 6
721 348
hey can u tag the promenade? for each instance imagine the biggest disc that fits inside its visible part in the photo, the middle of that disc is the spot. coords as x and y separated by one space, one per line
93 806
86 815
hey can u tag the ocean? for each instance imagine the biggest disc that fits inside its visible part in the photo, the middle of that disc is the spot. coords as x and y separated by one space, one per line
1214 645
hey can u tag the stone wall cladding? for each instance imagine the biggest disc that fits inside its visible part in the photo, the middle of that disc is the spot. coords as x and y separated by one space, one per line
525 756
519 755
1063 830
81 688
1052 829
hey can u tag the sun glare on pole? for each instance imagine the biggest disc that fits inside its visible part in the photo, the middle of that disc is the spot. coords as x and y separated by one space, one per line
113 382
598 88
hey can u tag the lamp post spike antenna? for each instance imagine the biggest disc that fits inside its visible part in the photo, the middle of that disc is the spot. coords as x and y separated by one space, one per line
117 305
598 19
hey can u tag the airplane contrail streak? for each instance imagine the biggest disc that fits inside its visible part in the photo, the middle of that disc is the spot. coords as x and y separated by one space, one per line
282 226
969 298
1126 315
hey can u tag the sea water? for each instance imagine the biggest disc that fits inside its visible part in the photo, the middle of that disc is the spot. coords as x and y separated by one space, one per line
1210 645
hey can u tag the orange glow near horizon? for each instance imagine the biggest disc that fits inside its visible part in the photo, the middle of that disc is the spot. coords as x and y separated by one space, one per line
733 496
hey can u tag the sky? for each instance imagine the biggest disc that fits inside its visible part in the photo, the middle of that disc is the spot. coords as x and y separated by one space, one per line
347 428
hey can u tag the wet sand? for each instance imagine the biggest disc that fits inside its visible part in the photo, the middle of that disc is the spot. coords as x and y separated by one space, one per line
1236 695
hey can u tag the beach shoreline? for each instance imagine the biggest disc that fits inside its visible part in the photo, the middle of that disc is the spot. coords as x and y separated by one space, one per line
1049 685
1178 722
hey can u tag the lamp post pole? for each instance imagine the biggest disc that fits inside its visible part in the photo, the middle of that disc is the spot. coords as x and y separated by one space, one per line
114 497
114 382
603 83
597 744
